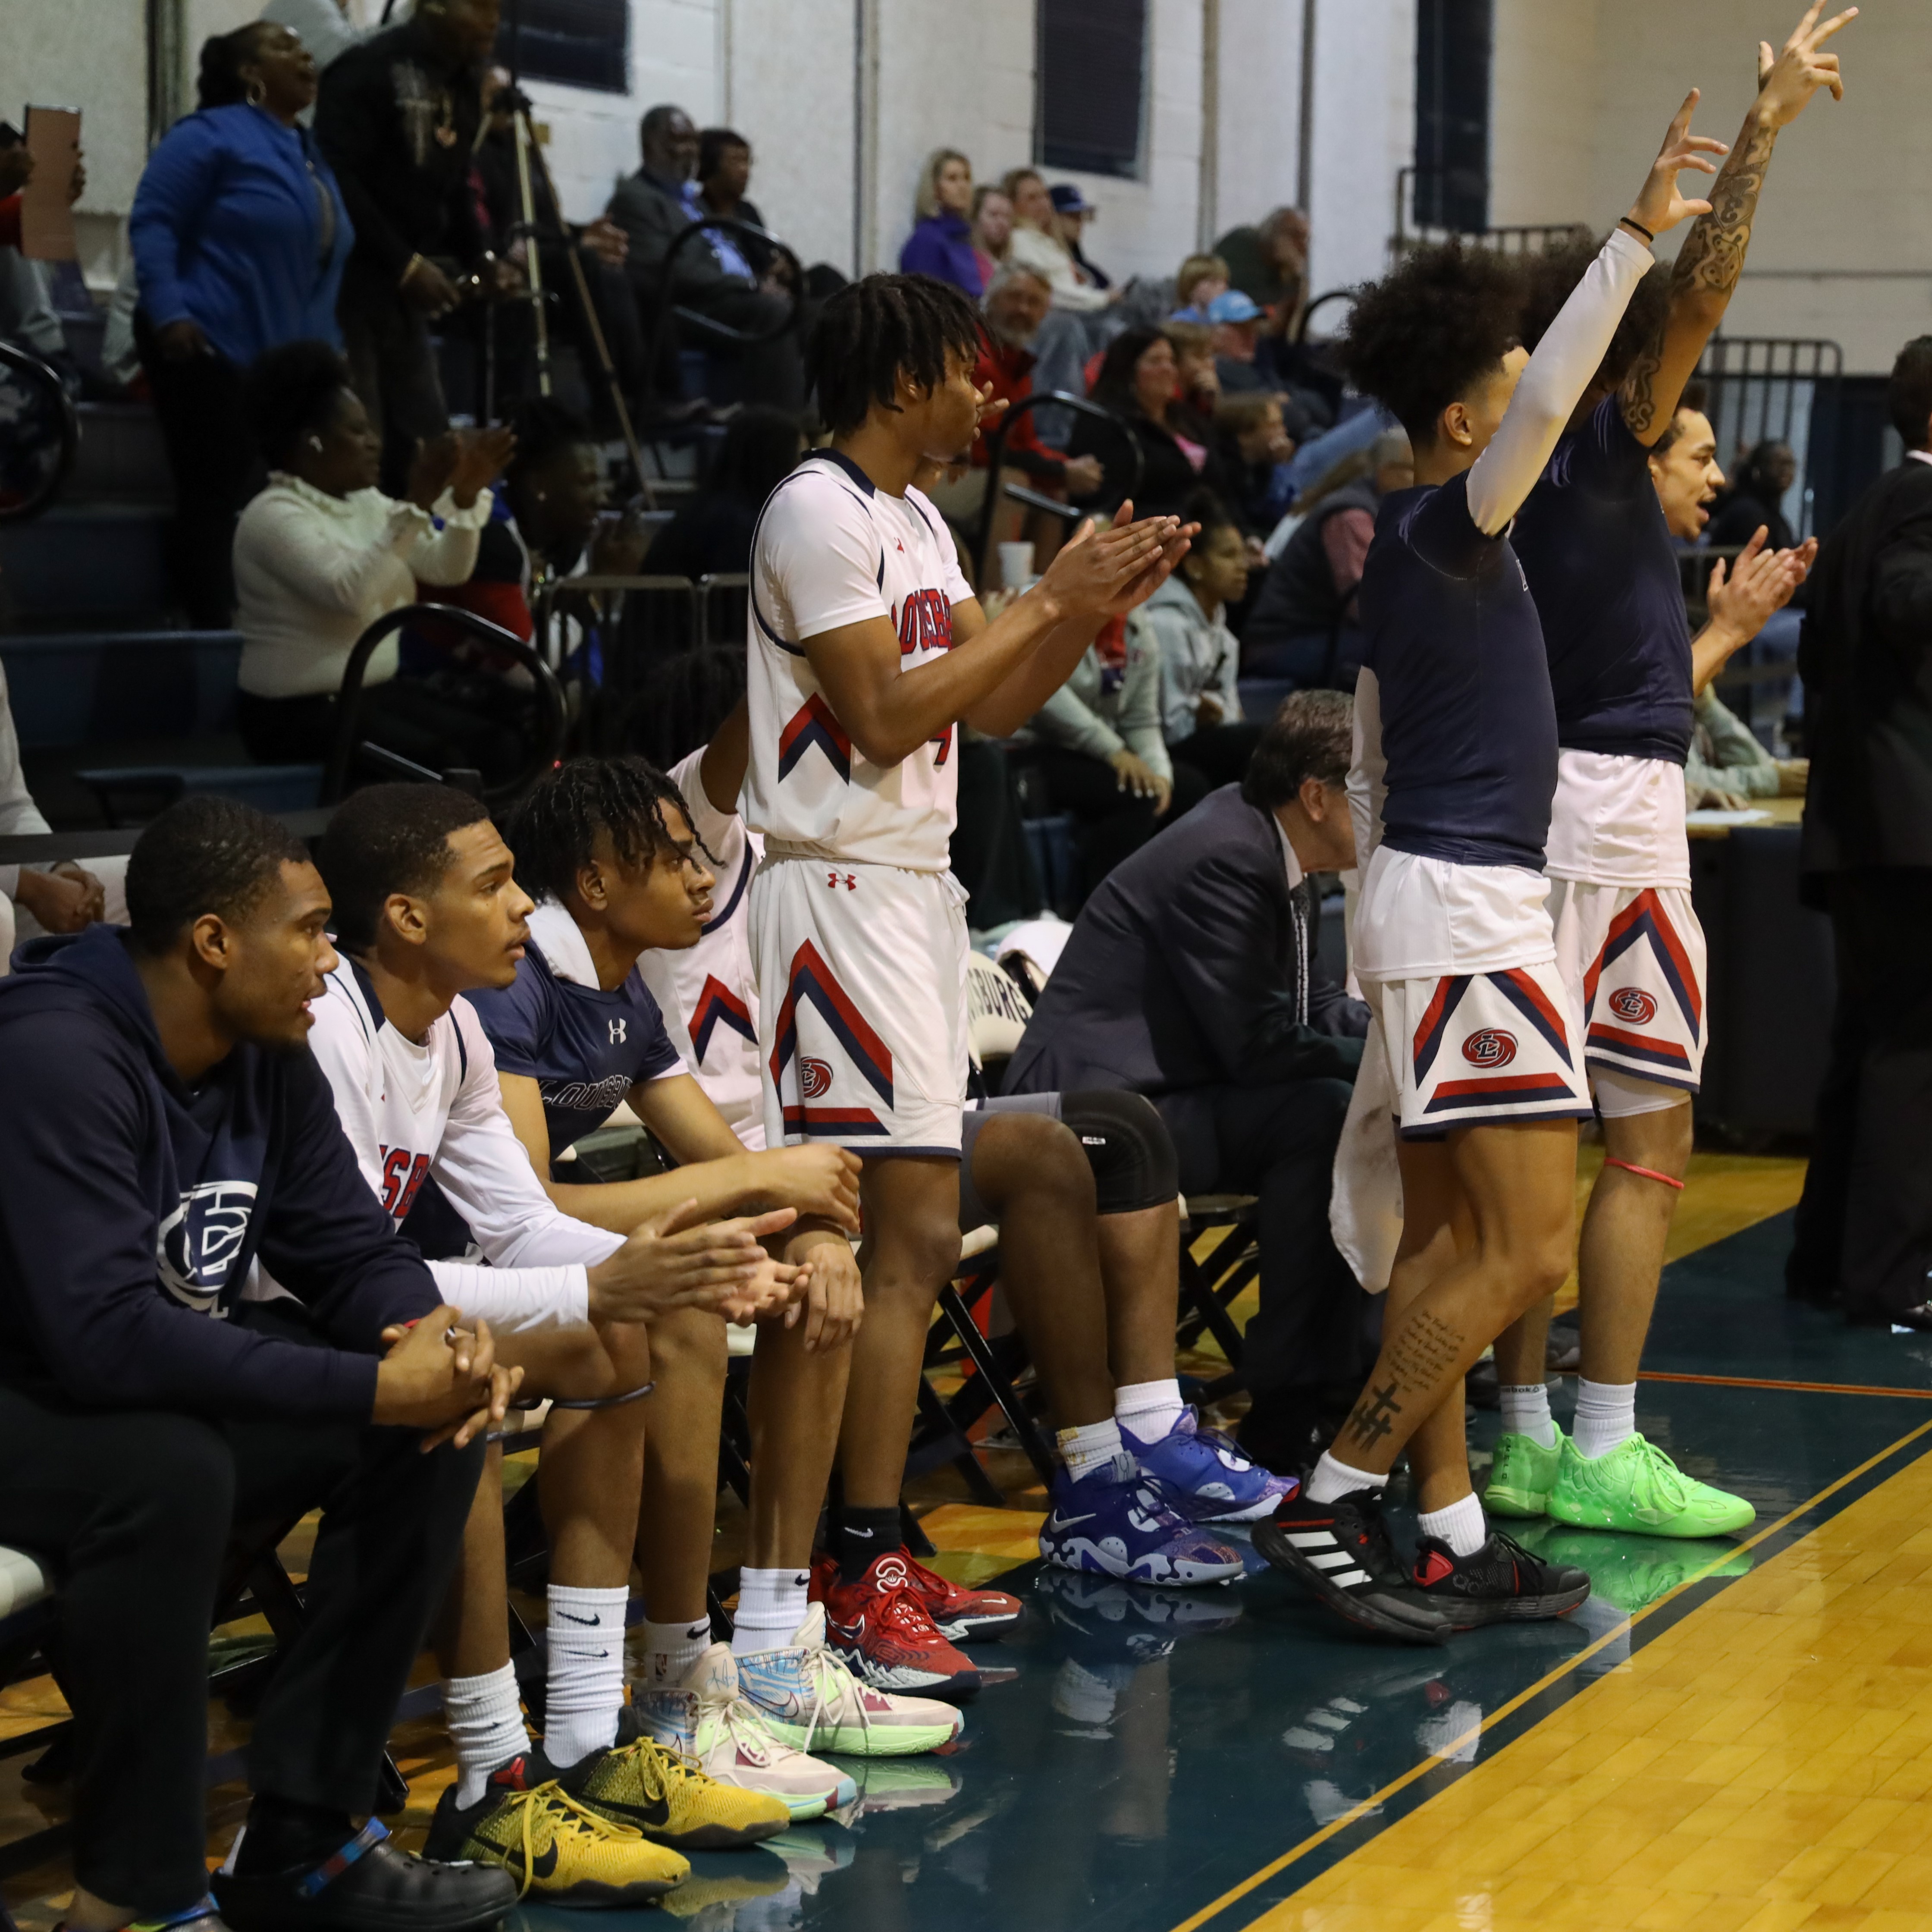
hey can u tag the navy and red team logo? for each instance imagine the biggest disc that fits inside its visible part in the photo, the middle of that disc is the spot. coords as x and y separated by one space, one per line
814 1079
1490 1048
1633 1005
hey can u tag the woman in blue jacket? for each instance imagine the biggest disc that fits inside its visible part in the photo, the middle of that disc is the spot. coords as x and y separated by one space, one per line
941 244
239 235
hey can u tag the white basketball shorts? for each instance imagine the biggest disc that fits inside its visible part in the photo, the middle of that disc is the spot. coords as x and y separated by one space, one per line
1633 957
862 1005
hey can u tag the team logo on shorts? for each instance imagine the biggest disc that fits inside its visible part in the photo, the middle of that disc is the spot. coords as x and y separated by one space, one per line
1490 1048
1632 1004
814 1078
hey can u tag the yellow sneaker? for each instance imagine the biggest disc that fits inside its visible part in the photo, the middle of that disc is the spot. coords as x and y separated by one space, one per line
557 1850
666 1795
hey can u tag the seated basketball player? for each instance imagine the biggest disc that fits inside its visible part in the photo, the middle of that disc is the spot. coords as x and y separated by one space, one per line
159 1128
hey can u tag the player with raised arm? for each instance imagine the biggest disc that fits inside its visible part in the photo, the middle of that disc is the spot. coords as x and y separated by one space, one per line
1474 1040
867 651
1602 564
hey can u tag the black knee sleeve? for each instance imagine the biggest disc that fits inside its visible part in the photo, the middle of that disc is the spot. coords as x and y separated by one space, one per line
1128 1147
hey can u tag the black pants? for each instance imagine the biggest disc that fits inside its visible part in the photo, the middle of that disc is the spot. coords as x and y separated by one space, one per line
134 1508
1220 753
437 728
1315 1328
1112 824
216 470
1863 1231
392 365
990 855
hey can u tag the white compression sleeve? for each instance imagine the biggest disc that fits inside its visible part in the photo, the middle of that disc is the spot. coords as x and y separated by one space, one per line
1367 769
1555 380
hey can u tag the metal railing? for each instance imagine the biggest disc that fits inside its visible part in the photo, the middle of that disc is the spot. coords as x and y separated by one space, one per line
1522 237
32 474
1778 389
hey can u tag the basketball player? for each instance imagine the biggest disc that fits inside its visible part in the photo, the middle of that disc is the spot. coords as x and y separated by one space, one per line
1457 751
1602 564
867 650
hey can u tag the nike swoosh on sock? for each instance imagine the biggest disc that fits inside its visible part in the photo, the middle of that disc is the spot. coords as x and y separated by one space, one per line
589 1623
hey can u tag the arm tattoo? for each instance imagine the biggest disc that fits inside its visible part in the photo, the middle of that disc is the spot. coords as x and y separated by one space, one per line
1710 261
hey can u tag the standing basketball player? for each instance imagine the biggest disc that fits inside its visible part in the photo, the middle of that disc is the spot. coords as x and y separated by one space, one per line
1603 569
867 651
1456 731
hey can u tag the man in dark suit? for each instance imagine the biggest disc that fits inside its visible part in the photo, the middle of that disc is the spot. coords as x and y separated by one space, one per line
1191 977
1864 1232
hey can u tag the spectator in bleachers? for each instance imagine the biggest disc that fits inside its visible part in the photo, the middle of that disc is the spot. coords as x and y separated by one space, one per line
27 314
239 234
1200 659
1756 499
1305 626
323 27
941 242
711 274
1138 382
1253 441
1268 262
1197 380
1728 767
711 534
1102 757
1072 211
724 175
321 553
1038 243
1202 278
1192 976
161 1126
398 116
992 219
1236 320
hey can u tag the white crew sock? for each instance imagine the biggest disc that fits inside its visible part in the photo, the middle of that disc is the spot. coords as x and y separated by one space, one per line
1087 1447
1330 1479
1606 1416
771 1606
1526 1412
485 1718
664 1653
1460 1525
1149 1410
586 1673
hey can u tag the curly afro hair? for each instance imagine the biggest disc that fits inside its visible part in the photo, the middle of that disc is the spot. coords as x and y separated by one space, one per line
1426 333
1548 280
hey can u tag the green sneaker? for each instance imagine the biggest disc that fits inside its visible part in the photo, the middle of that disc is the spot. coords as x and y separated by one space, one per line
1522 1476
1636 1487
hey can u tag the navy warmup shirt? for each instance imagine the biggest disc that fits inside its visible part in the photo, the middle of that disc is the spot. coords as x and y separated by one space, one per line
1602 570
1468 732
585 1048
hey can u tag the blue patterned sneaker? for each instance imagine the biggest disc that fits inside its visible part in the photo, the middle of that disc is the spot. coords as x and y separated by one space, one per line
1117 1520
1206 1477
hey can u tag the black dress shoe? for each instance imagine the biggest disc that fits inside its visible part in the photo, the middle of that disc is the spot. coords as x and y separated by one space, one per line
1919 1317
367 1886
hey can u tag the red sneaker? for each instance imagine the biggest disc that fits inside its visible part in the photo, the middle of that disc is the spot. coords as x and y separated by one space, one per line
959 1614
880 1627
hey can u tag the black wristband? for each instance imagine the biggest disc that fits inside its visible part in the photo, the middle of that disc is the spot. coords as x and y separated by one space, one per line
1625 221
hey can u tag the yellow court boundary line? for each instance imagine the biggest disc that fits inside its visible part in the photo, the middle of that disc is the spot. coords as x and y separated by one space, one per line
1368 1805
1800 1388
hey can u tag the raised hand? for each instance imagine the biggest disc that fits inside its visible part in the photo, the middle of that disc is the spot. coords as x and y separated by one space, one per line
1659 207
482 456
434 466
1760 581
1787 80
1095 569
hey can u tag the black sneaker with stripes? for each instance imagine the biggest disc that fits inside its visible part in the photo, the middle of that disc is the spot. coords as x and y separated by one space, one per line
1501 1583
1341 1551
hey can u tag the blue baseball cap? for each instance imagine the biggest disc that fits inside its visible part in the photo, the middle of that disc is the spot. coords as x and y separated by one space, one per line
1231 305
1067 198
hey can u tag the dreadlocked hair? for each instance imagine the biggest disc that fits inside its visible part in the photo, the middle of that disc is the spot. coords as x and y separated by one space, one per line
873 332
554 830
1551 277
1432 329
683 702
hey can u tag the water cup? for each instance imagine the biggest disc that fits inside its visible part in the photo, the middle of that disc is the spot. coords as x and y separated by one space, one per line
1015 565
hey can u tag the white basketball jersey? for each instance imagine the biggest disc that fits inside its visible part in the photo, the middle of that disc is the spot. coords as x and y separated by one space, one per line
710 991
832 550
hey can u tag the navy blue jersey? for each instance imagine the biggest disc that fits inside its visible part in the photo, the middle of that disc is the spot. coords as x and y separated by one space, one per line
1603 572
1468 733
585 1048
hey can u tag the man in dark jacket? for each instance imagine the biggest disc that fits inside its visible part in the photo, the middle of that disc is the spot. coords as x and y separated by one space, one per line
161 1125
1864 1231
398 117
711 274
1191 977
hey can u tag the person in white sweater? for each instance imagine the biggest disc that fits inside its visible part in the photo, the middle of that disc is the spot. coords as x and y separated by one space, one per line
321 553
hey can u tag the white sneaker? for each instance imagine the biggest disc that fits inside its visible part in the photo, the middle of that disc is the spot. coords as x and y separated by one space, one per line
709 1718
807 1697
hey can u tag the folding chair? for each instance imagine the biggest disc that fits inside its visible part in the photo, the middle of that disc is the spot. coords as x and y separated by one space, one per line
1210 1285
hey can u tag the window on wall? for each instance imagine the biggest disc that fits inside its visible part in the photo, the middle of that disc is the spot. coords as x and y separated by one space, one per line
1093 84
581 43
1452 114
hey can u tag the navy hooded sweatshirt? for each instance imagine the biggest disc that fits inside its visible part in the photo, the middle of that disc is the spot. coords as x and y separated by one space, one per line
131 1205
